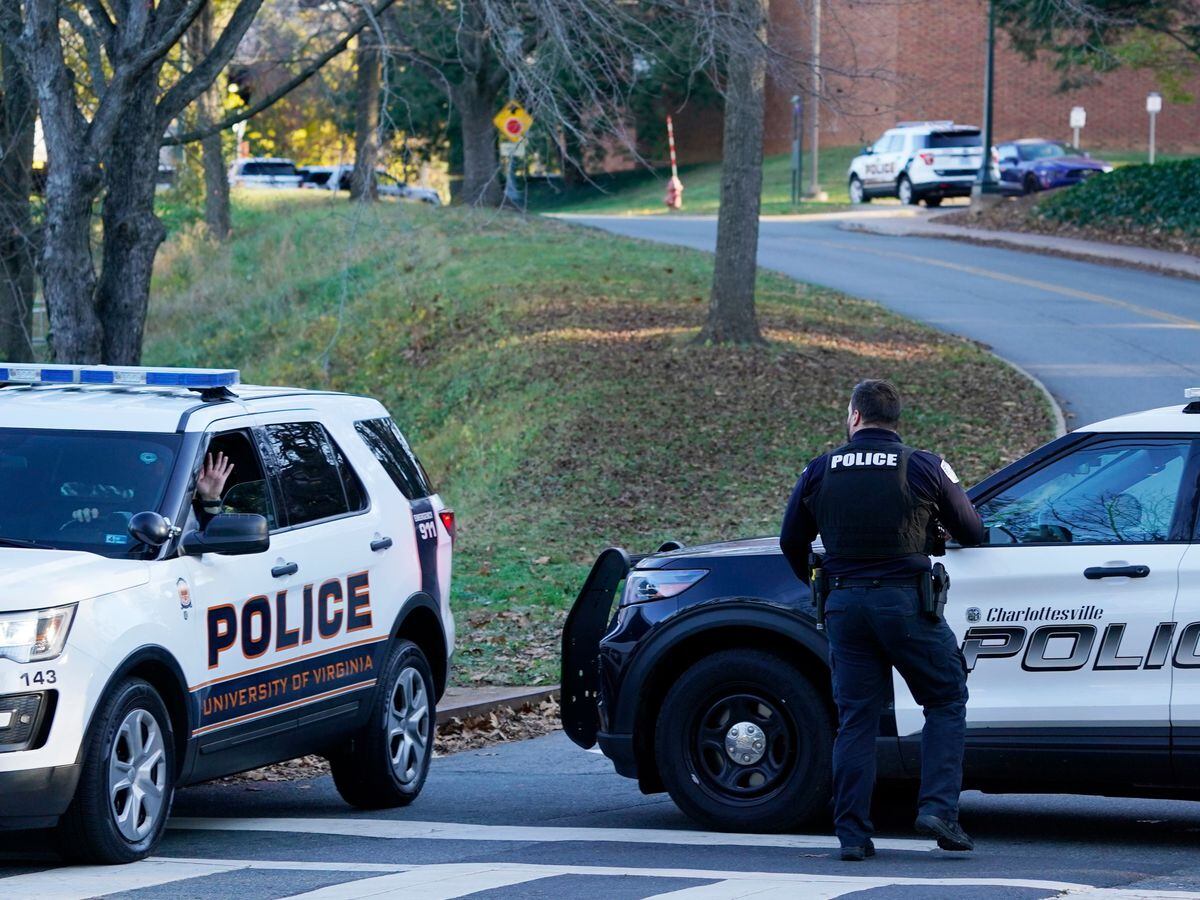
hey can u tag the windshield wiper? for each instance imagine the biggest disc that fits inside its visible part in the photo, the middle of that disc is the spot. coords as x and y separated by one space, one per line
25 542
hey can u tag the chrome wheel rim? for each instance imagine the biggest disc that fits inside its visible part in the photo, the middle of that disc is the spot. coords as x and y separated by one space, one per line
408 725
137 776
905 192
856 191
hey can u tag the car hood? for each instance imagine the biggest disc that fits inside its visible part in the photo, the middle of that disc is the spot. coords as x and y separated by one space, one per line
32 579
762 546
1072 162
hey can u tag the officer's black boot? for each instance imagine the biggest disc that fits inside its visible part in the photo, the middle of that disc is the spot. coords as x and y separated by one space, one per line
858 854
950 835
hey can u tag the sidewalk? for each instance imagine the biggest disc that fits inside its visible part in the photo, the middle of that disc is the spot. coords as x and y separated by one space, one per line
464 702
914 224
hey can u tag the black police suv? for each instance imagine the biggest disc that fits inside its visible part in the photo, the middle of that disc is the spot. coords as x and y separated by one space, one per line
1078 619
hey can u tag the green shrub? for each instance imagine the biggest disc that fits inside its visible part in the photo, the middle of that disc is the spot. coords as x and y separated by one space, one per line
1162 198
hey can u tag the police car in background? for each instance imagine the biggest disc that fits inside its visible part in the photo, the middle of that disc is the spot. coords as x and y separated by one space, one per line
1078 619
142 649
918 161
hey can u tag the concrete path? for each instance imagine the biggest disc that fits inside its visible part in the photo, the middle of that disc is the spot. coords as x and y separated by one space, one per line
1105 340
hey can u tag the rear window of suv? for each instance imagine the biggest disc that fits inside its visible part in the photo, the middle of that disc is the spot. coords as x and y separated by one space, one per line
937 140
268 168
396 456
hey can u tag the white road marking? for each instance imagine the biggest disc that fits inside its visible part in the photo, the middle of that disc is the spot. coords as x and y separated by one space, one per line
453 831
446 881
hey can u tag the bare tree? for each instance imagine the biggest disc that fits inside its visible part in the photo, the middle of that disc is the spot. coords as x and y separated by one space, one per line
18 113
208 110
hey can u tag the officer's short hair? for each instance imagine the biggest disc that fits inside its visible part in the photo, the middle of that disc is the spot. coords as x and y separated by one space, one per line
878 401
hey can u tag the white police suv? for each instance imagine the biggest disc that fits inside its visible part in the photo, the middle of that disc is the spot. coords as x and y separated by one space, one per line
199 577
918 161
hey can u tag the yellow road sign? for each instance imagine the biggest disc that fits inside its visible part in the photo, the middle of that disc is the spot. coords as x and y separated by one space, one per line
512 121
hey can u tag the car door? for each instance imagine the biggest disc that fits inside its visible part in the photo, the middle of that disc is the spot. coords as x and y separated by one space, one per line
880 167
1060 614
1185 670
1009 162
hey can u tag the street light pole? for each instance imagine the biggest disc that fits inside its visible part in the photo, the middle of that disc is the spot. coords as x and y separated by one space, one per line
797 146
1154 107
814 188
986 188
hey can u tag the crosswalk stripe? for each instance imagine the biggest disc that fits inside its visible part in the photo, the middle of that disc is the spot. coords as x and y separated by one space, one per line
442 882
453 831
79 882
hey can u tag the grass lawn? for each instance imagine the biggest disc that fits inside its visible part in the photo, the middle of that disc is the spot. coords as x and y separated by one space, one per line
642 191
546 373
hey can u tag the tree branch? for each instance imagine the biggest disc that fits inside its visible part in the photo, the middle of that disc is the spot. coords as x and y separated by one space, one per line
287 87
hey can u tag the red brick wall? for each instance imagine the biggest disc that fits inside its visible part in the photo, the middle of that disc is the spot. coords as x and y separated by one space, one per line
891 60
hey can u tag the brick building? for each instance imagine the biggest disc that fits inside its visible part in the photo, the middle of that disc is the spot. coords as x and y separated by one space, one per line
892 60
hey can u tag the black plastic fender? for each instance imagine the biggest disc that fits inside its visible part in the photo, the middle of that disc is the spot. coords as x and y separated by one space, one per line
585 626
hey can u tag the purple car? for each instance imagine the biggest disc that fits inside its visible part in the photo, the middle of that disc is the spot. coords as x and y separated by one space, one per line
1031 165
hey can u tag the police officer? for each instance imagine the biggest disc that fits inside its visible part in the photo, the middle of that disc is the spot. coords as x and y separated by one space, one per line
876 503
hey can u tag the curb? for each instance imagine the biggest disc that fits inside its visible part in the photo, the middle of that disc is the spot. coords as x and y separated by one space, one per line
1060 419
463 703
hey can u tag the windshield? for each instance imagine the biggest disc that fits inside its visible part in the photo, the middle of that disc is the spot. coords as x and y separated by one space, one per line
1041 151
76 490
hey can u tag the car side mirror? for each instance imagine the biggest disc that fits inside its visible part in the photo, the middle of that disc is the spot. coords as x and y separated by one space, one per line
230 534
150 528
868 150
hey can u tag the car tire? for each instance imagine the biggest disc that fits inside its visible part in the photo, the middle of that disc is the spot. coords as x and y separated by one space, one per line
127 783
1031 185
932 202
385 764
858 194
904 190
787 781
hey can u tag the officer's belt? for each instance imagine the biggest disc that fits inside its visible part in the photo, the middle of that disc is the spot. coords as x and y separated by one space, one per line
896 581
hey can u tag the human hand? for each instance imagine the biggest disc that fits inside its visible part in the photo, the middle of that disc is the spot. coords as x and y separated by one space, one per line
211 483
87 514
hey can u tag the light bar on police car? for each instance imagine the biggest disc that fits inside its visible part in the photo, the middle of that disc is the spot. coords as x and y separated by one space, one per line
131 376
1191 393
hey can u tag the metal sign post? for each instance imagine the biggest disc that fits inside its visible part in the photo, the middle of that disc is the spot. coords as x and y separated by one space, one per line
1078 120
1154 107
797 146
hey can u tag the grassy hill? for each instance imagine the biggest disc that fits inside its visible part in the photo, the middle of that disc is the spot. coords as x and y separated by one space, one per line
547 376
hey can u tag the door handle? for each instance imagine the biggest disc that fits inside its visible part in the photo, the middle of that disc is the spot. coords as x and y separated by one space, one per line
285 569
1093 572
381 543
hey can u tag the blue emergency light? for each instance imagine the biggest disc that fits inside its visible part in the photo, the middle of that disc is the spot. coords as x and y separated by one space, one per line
119 376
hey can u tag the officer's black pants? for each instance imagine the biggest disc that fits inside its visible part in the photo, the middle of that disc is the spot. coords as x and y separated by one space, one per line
872 629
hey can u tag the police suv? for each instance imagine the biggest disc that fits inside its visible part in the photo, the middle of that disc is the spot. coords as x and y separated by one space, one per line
1078 621
149 640
918 161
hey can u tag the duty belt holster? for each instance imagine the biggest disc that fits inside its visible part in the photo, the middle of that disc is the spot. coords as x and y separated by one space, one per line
818 583
934 590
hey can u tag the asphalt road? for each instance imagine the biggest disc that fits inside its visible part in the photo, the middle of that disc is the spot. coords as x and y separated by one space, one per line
543 819
1104 340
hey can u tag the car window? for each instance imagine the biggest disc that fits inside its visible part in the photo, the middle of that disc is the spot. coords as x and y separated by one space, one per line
309 469
268 168
1042 151
246 490
396 456
936 140
1006 151
77 490
1114 493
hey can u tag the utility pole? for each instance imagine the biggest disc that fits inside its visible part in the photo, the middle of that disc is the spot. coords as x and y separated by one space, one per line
814 189
797 146
986 189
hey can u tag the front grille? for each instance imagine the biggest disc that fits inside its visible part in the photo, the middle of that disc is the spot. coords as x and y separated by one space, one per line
18 719
1080 173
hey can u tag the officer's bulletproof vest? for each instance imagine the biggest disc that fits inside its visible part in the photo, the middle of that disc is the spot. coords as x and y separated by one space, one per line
863 506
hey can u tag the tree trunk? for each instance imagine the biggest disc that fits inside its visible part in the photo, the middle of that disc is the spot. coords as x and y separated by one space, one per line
18 112
481 161
366 117
208 110
731 315
132 232
68 275
574 169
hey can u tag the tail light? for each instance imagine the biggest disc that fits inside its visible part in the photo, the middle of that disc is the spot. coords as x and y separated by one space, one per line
447 517
927 158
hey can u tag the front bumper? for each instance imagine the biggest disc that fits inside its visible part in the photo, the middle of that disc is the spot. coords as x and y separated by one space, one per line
35 798
619 749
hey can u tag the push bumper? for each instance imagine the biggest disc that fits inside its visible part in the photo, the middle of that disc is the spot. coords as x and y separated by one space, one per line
35 798
619 749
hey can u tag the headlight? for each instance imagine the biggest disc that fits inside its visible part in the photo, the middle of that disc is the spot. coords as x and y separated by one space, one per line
659 584
35 635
